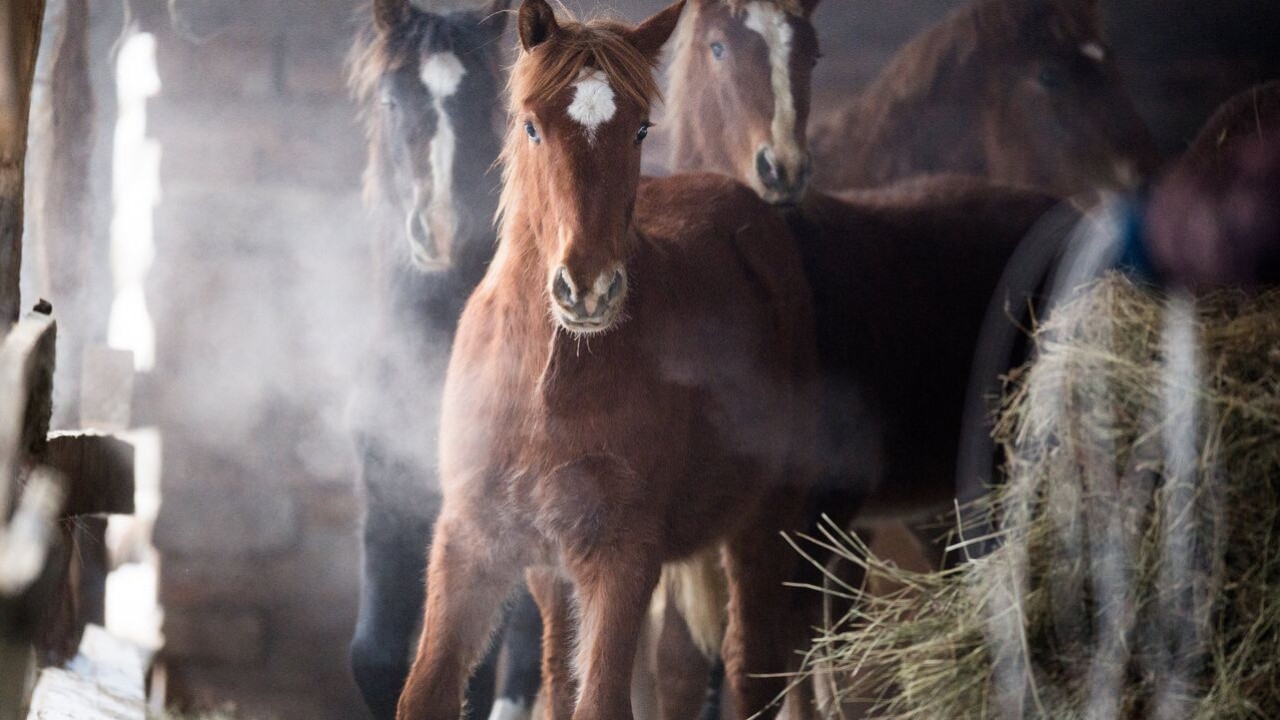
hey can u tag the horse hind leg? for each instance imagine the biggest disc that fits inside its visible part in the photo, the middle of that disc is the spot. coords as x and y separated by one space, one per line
468 581
554 597
522 646
764 628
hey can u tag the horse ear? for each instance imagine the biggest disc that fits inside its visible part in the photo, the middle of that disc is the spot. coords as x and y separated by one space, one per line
536 23
389 14
649 36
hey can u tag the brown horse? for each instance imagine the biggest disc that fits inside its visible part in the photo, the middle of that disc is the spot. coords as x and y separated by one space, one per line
1020 91
739 92
631 382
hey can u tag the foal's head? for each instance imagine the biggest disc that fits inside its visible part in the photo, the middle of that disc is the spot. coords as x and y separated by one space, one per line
1054 112
428 86
580 101
741 75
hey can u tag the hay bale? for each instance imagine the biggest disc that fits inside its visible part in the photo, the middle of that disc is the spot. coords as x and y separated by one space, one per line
1137 570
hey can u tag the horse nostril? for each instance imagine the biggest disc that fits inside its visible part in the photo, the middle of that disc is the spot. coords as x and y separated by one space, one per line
772 174
765 168
615 287
562 289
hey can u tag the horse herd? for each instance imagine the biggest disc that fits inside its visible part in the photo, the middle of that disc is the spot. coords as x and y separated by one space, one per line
637 385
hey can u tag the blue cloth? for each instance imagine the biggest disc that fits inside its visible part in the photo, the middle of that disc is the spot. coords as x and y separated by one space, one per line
1134 258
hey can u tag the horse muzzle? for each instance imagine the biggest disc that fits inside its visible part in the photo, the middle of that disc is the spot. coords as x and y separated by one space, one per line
590 309
781 182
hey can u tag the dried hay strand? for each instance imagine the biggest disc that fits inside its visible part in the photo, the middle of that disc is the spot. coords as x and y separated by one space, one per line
1134 564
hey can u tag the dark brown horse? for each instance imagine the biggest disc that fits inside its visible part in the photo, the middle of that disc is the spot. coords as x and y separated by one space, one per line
903 278
1020 91
631 382
429 87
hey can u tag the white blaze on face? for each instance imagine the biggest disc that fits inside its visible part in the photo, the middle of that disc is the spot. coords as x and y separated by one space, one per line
1093 51
769 21
593 103
442 75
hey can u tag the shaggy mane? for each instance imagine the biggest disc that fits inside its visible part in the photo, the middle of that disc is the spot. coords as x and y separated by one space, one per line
987 26
790 7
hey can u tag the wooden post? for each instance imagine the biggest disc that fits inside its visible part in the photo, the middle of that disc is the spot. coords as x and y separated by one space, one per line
62 263
20 24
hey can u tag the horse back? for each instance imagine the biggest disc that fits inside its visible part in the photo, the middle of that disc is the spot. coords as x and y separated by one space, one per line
902 280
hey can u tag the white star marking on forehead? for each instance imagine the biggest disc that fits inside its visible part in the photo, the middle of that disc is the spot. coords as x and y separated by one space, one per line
1093 51
442 74
593 103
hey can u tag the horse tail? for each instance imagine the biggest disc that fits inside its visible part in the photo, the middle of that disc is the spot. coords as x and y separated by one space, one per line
696 588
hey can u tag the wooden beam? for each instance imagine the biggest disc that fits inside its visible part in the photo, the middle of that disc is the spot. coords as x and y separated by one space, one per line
99 472
20 25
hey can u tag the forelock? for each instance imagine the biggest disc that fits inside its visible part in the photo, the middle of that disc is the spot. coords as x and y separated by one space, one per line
549 68
1066 24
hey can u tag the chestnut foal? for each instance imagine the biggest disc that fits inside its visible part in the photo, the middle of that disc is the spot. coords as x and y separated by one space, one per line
631 382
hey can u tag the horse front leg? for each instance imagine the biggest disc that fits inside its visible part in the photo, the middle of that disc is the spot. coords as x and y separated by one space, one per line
614 587
469 578
602 517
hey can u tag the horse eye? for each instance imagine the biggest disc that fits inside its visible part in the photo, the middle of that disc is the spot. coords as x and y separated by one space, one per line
1051 78
642 133
717 49
531 131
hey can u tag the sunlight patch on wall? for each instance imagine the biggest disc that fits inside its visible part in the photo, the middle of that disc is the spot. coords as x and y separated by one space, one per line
135 194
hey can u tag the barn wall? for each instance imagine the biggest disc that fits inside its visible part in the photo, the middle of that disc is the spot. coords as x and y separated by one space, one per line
260 300
258 294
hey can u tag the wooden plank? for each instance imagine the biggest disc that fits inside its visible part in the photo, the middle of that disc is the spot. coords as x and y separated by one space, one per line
99 471
104 682
20 25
